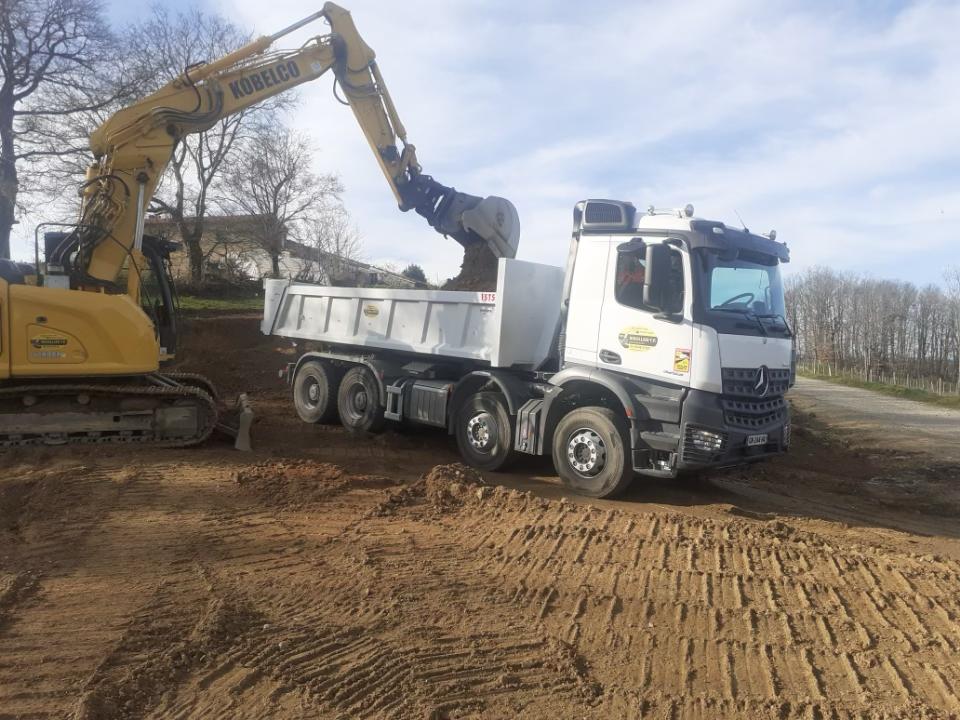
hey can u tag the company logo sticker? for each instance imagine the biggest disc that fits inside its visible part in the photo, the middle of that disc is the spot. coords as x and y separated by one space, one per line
371 311
681 361
639 339
48 340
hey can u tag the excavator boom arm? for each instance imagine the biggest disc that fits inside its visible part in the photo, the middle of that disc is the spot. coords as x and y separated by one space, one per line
133 147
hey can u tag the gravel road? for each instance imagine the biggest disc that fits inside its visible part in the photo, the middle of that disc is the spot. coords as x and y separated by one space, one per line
892 422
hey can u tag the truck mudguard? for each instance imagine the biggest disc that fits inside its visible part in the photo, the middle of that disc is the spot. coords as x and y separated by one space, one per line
642 401
515 391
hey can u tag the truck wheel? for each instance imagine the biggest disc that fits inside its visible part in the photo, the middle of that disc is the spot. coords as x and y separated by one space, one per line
590 451
484 431
359 401
315 392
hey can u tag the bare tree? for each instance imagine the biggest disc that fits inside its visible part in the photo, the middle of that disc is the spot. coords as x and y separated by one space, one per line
57 58
877 327
167 45
273 184
331 232
952 277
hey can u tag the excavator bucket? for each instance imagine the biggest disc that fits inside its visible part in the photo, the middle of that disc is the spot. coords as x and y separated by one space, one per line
495 219
468 219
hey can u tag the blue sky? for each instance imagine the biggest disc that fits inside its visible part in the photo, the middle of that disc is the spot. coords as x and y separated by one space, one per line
838 124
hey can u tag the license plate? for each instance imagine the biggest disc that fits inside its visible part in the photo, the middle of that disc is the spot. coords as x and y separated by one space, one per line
753 440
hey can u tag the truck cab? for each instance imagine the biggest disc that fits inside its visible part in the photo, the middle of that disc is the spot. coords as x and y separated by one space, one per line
678 323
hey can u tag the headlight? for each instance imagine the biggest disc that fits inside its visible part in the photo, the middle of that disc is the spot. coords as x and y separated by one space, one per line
706 440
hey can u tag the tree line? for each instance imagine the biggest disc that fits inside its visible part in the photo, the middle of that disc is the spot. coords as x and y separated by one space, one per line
64 70
876 327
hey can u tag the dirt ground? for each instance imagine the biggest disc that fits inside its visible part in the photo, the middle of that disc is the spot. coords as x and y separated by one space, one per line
333 576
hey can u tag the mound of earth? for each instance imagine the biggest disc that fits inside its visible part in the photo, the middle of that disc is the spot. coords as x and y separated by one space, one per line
301 482
478 273
443 488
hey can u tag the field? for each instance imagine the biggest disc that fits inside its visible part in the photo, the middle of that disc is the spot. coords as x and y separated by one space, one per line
334 576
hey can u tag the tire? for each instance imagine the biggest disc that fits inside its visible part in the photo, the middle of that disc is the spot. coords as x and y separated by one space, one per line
358 401
315 392
590 452
484 431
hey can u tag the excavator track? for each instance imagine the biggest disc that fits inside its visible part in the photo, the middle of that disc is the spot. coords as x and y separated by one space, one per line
177 413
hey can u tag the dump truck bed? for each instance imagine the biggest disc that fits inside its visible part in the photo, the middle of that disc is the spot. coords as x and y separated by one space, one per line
513 326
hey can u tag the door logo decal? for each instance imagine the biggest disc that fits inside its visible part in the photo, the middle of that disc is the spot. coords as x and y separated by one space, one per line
637 338
681 361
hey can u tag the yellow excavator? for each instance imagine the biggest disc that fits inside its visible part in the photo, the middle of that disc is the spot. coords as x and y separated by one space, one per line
83 337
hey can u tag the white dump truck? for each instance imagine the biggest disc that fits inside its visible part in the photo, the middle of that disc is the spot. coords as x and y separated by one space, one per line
661 349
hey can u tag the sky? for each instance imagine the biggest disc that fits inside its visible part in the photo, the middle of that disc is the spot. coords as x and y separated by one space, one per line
835 123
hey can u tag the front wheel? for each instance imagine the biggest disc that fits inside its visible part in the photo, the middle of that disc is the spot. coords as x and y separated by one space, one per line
590 452
484 431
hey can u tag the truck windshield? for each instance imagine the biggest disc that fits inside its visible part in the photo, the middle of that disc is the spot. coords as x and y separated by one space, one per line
746 287
742 293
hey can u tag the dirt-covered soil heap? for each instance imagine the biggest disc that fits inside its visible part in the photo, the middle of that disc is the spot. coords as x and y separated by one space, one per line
478 273
300 482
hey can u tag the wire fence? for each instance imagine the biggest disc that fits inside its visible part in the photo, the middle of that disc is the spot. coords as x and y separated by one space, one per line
934 385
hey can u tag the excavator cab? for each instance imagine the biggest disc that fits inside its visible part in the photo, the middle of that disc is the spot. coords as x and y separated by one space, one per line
158 296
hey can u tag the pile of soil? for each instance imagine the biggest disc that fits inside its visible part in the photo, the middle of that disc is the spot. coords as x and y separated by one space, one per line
478 273
444 488
293 483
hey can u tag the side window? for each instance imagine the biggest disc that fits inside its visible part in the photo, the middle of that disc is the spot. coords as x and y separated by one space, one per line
631 273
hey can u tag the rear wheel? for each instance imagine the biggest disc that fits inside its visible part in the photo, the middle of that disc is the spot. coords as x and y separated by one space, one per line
315 392
359 401
484 431
590 448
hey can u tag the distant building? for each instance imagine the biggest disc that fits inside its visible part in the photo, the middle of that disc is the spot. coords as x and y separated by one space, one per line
230 254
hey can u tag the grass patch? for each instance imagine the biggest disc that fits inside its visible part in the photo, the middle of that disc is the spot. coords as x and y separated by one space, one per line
191 303
949 401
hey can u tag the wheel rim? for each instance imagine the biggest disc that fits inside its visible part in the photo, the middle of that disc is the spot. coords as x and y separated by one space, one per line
586 452
481 432
357 401
311 393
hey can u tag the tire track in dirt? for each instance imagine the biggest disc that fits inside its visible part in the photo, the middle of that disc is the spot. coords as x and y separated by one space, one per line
89 538
344 631
730 616
295 589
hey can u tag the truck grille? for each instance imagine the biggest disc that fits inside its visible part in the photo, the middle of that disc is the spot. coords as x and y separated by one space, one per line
751 402
742 382
753 414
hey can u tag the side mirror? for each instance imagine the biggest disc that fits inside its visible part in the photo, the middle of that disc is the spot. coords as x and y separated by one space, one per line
656 284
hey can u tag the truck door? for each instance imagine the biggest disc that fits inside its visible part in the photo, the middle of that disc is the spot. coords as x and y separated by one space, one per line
639 340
